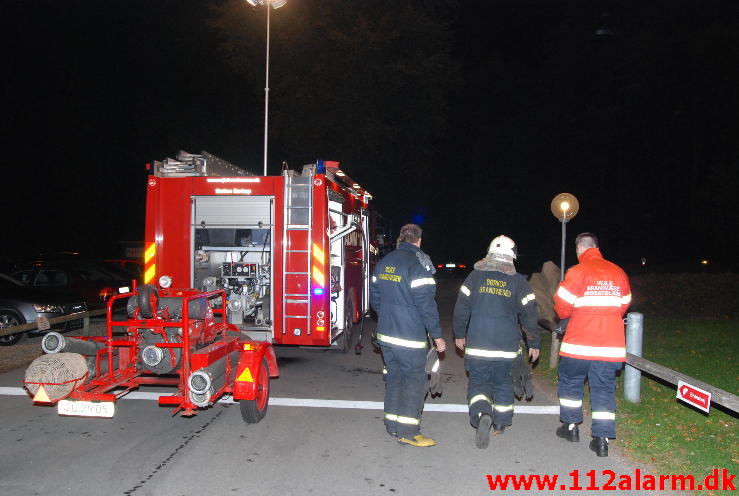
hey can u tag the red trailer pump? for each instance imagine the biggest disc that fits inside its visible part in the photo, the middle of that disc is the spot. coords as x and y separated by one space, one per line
173 338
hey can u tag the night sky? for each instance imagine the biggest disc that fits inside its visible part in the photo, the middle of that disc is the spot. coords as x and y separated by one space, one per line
465 116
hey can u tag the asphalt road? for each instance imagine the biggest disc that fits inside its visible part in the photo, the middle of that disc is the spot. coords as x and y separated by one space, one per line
144 450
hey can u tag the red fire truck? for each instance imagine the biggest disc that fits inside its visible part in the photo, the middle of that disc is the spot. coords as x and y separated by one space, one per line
292 252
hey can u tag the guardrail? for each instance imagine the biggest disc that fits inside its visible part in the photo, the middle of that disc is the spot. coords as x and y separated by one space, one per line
635 364
6 331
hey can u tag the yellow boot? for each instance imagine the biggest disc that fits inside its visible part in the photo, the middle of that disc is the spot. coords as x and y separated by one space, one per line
418 440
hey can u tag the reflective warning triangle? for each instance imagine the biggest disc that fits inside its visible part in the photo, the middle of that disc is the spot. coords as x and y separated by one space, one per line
245 376
41 395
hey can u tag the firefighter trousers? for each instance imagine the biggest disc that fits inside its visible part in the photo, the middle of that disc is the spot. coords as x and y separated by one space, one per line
405 389
601 376
490 390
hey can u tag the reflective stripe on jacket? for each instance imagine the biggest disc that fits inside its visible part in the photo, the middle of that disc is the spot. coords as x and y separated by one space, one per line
402 292
490 305
595 296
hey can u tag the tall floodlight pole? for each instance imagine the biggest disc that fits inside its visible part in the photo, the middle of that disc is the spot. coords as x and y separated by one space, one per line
564 207
275 4
266 96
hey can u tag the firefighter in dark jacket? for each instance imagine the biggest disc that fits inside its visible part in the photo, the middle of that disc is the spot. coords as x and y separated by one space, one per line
402 293
492 304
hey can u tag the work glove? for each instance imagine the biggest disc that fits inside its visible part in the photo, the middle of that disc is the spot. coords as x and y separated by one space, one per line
523 385
562 326
432 373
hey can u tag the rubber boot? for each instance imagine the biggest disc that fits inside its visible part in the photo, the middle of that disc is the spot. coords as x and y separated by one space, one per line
600 446
418 440
482 433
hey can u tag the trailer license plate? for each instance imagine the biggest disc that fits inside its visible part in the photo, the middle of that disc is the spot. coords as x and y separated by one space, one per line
86 408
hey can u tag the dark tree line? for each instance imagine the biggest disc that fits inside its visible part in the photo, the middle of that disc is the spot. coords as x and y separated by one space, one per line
366 83
469 115
630 106
483 111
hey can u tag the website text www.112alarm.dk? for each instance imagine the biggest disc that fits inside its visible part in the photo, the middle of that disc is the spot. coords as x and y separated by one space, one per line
718 479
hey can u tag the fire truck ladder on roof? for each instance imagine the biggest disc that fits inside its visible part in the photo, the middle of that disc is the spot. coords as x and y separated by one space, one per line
296 258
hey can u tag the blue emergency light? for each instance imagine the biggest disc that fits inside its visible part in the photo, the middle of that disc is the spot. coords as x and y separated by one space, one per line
317 291
322 165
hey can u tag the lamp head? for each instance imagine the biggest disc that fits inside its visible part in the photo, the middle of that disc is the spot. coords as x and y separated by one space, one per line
564 206
275 4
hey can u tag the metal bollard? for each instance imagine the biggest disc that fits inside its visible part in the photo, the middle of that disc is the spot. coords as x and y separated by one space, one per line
634 341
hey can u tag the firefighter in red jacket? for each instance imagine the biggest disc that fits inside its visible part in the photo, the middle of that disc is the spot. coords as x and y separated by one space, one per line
594 296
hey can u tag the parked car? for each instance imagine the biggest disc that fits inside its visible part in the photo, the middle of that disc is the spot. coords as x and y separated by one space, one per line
451 268
130 265
21 304
94 280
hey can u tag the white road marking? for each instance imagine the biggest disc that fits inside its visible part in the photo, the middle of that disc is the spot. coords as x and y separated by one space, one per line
316 403
13 391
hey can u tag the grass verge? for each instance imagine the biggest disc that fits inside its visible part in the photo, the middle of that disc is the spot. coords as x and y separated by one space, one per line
664 432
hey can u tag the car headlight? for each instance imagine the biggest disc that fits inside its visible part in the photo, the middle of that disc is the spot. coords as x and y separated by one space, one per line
47 308
165 282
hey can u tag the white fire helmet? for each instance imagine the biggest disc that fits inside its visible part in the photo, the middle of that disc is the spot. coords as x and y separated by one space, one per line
503 245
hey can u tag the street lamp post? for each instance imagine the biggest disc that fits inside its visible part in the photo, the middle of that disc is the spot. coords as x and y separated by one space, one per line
275 4
564 207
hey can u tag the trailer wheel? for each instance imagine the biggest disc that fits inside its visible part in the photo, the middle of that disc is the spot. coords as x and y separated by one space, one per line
9 318
252 411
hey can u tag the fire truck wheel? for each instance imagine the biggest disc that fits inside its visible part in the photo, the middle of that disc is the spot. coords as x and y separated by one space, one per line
9 318
346 338
252 411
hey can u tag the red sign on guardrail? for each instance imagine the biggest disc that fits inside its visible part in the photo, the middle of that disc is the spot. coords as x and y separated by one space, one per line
694 396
